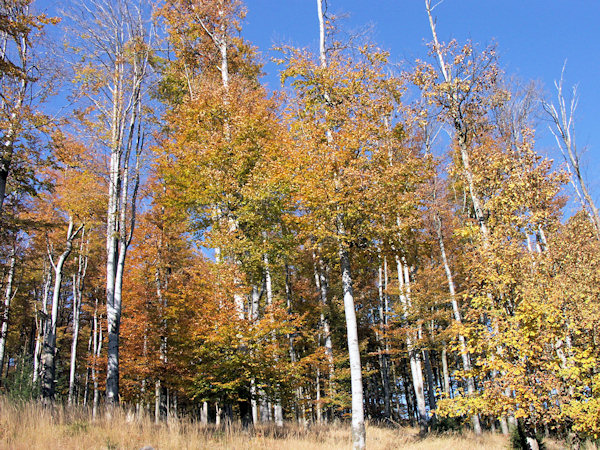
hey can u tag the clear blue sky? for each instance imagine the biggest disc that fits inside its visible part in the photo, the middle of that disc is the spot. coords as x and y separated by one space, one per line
533 37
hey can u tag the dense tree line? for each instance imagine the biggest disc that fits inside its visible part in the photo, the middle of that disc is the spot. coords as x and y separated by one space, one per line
367 242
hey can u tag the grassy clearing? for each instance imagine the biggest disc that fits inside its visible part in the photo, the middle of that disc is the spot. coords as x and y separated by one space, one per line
30 426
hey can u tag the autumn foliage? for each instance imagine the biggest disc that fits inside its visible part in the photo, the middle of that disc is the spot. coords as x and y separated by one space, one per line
238 227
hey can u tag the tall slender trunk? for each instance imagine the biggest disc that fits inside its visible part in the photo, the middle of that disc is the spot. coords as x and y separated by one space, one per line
127 139
160 406
204 413
278 410
462 131
49 349
97 351
446 373
157 401
383 345
416 369
78 280
358 418
464 354
8 295
430 380
88 370
321 284
76 312
358 415
41 323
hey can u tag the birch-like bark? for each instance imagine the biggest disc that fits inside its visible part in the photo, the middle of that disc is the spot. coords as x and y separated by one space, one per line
288 297
358 415
119 46
157 401
358 418
97 351
78 281
383 344
204 413
446 373
416 369
76 313
88 371
278 410
161 407
49 348
8 142
464 354
41 321
321 285
8 296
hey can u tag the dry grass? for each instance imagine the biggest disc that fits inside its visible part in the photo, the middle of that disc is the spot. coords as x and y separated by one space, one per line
30 426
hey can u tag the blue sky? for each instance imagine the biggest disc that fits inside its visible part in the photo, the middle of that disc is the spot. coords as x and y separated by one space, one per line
533 37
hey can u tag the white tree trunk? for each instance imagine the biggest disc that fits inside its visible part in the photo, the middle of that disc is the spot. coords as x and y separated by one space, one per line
204 413
49 350
464 354
446 374
383 346
8 295
278 413
9 138
416 369
321 284
78 280
358 417
41 324
88 371
97 351
76 311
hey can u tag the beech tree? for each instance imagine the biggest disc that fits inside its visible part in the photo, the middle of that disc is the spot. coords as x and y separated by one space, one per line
113 77
338 115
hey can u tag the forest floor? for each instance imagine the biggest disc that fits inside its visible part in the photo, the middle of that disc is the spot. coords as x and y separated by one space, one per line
30 426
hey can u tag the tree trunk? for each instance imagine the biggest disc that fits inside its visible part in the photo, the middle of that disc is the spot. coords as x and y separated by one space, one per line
358 419
321 284
413 355
97 349
254 402
88 371
49 349
8 140
464 354
8 295
446 373
76 311
42 323
278 410
430 381
204 413
385 378
78 280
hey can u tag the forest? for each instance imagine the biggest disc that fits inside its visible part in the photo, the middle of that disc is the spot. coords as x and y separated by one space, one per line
369 243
